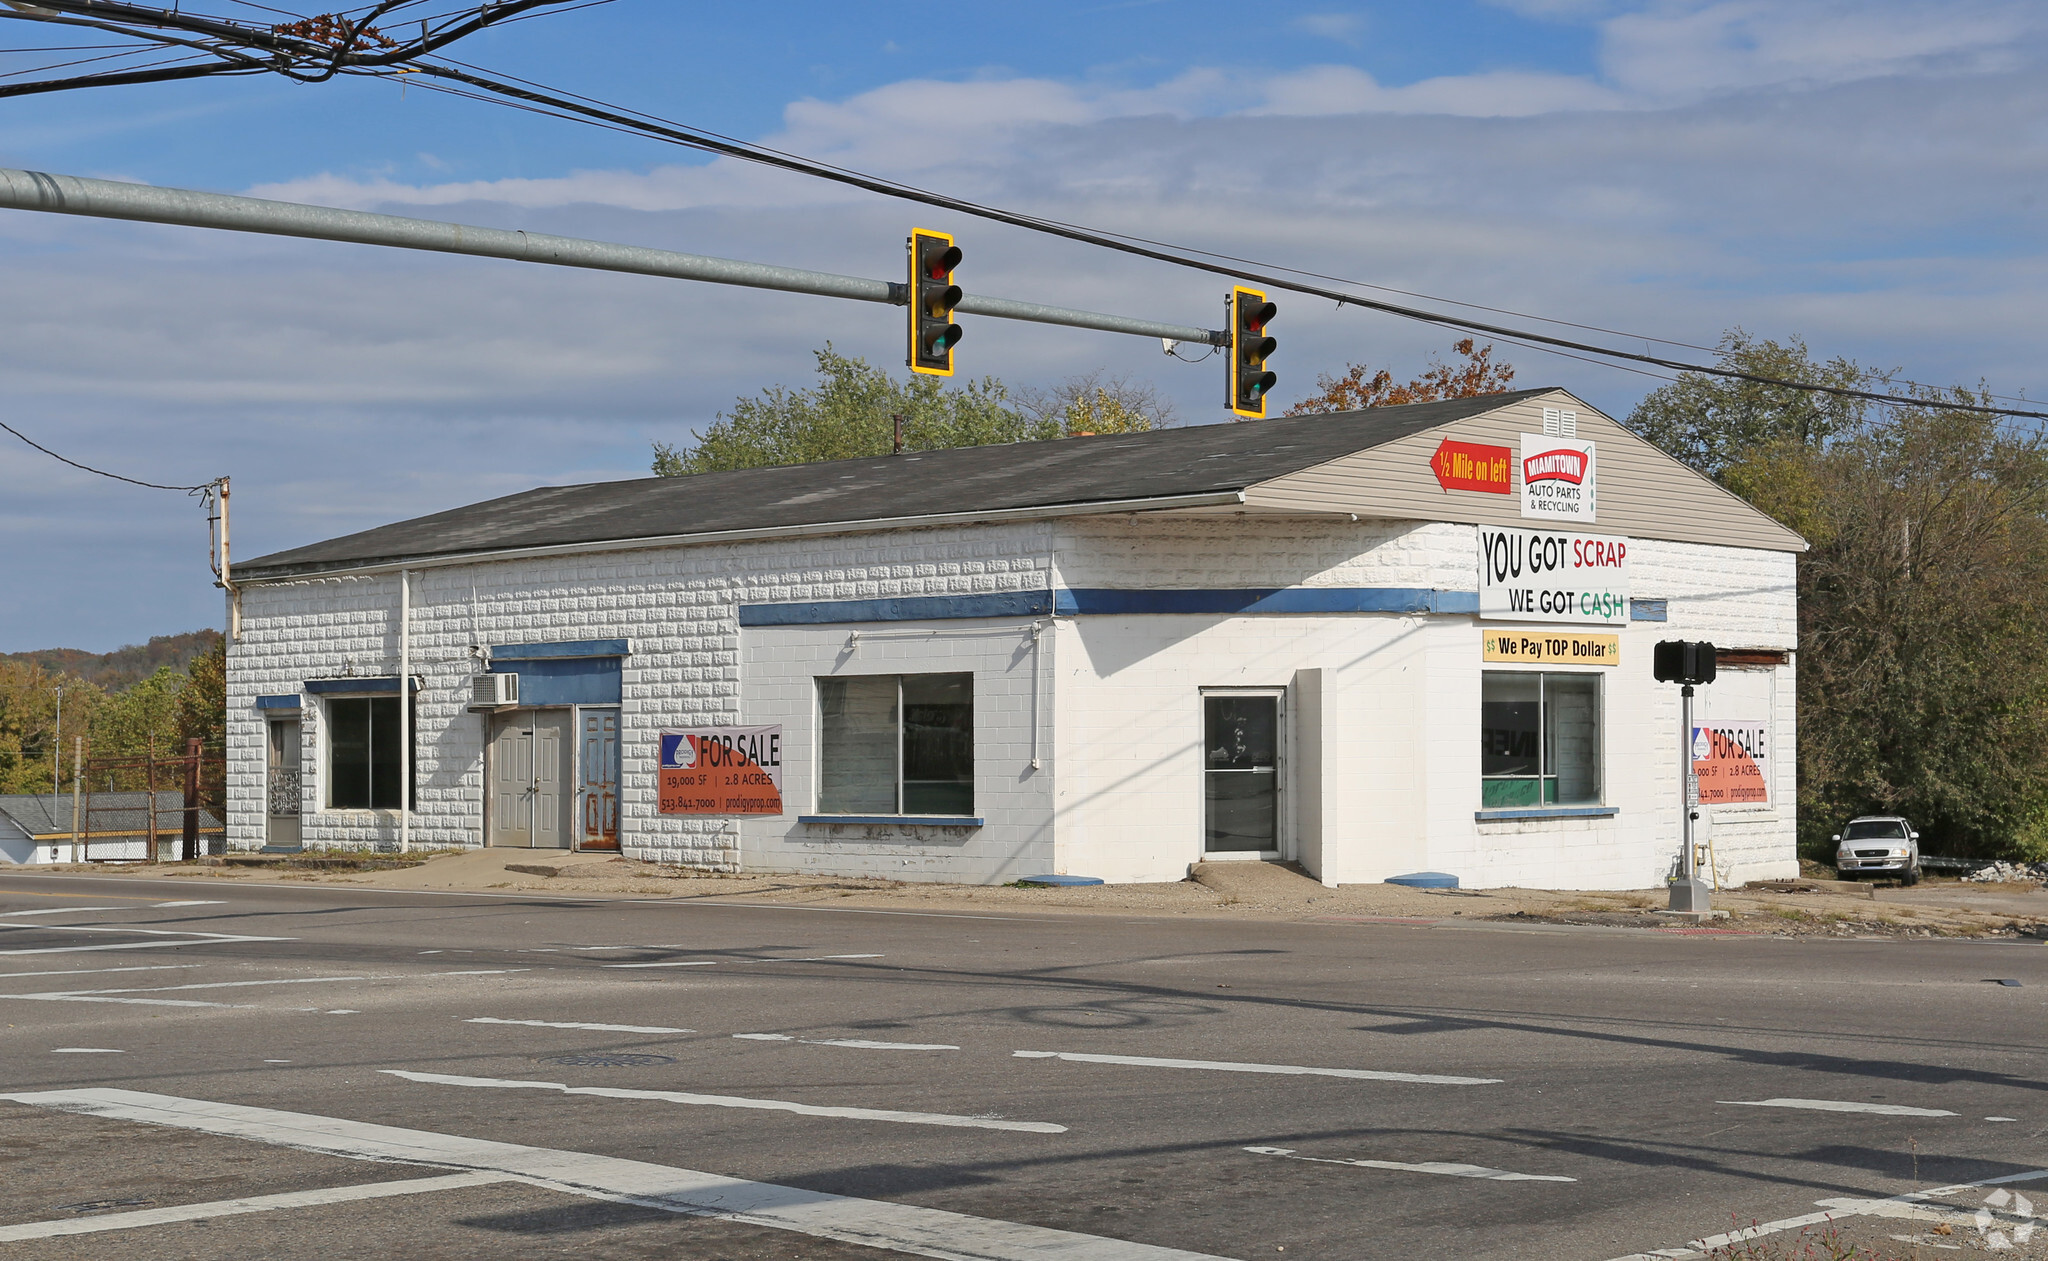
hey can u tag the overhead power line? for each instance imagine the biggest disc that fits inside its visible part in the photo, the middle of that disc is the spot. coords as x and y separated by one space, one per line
312 49
132 481
725 146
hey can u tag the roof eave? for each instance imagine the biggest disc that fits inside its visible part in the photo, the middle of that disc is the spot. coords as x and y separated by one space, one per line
258 575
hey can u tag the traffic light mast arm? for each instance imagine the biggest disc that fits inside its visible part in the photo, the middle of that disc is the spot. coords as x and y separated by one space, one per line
143 203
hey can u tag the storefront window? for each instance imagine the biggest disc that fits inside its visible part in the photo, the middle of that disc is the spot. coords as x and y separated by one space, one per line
362 752
1539 739
896 744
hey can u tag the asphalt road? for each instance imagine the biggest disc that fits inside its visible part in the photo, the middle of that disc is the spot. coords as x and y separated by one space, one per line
191 1068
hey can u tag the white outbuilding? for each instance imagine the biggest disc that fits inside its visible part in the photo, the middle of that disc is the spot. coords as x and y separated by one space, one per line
1411 639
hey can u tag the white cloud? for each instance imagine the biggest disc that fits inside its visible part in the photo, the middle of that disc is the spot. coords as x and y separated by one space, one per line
1344 28
1798 169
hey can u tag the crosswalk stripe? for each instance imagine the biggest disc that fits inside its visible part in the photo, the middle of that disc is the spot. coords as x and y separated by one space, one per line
906 1228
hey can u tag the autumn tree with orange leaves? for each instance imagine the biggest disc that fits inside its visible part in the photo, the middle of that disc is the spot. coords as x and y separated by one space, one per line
1360 387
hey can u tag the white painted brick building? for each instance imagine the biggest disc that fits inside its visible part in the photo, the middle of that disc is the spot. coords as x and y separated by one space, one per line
1105 657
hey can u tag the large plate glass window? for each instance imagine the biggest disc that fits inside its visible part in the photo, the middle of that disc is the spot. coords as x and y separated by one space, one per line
1539 739
896 744
1240 773
362 752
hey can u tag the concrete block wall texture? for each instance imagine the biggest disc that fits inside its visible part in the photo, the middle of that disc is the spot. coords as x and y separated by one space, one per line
678 606
1119 711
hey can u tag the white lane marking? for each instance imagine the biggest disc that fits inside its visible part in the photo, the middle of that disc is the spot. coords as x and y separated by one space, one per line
132 928
132 1002
1856 1208
191 938
737 1101
857 1043
86 1050
476 972
277 1061
249 1204
1226 1066
165 904
1426 1166
142 967
216 985
709 963
66 910
1838 1105
116 995
573 1024
2001 1118
345 1011
871 1223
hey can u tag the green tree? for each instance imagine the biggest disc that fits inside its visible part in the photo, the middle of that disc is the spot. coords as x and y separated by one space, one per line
850 413
140 722
1711 422
1920 690
28 714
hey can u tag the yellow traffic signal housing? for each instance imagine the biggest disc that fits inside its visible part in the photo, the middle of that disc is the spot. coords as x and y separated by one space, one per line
1250 383
933 295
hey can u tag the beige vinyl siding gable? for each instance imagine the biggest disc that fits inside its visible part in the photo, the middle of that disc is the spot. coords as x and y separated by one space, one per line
1642 492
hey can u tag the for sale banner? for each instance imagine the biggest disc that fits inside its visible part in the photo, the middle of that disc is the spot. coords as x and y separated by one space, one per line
1731 761
721 770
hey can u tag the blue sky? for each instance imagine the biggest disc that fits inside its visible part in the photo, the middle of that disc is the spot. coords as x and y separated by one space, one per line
1867 175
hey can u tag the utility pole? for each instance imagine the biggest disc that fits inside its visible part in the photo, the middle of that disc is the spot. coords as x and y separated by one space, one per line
57 750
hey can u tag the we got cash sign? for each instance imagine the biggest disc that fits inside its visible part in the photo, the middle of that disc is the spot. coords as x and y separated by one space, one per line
1552 576
721 770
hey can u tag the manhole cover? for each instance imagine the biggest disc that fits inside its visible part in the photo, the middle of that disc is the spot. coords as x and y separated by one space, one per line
609 1059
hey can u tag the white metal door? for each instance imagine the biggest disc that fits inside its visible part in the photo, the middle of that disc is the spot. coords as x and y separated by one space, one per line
511 780
551 783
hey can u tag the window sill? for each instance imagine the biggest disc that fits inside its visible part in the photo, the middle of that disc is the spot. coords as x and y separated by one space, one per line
895 820
1546 812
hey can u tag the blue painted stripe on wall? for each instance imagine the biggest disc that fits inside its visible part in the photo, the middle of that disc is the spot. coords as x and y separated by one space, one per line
1087 601
917 608
566 680
357 687
281 702
573 648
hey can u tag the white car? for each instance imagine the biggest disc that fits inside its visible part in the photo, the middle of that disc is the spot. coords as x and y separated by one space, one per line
1879 843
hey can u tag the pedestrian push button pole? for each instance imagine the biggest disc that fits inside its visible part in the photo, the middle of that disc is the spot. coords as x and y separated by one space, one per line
1688 663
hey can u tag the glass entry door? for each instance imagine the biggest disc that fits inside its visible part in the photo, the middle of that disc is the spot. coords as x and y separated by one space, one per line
1241 773
281 790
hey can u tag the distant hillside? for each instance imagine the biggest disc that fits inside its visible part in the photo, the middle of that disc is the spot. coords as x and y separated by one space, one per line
124 666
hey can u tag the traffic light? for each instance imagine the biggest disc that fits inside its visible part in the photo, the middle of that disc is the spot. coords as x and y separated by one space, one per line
1250 383
933 295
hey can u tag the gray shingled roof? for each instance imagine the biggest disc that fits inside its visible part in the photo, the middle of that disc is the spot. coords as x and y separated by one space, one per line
41 814
1067 472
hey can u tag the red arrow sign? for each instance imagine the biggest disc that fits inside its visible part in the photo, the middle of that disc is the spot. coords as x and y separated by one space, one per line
1473 466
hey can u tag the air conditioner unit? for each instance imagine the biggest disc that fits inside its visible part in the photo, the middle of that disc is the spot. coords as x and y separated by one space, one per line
489 691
